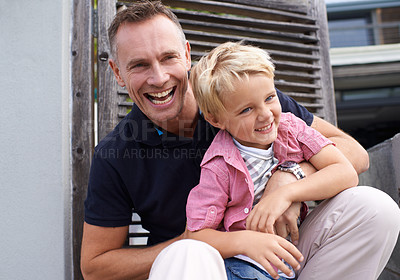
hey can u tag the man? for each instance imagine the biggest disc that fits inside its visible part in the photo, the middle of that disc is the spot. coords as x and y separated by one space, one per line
152 159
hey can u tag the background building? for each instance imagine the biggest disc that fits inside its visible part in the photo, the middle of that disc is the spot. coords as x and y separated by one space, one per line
365 57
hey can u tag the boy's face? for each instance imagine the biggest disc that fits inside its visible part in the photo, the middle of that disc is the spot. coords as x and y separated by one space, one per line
253 112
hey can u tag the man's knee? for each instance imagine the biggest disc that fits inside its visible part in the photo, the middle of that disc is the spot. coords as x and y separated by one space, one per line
188 246
374 206
188 259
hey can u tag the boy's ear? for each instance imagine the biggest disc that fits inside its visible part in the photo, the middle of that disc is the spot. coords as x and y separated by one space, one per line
214 121
116 71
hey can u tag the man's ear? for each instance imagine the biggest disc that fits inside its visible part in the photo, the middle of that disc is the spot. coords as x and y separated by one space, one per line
214 121
188 57
116 71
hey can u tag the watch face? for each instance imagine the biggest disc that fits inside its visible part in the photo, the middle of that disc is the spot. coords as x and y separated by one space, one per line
288 164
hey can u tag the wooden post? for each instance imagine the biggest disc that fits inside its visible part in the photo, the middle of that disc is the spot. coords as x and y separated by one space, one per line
329 103
107 92
82 139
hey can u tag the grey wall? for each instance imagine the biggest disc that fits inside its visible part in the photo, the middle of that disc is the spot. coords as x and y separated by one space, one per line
384 171
34 150
384 174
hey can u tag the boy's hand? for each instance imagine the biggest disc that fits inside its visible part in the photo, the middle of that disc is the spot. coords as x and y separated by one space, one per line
269 250
264 215
287 223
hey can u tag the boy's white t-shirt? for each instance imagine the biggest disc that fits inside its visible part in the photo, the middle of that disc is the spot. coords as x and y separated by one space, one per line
260 164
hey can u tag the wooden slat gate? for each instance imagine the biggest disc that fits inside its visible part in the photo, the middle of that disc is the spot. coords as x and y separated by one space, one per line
293 31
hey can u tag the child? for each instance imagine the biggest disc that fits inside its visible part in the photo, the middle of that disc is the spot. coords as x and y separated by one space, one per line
235 90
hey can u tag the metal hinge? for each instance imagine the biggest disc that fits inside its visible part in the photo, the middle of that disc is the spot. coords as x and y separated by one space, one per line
95 23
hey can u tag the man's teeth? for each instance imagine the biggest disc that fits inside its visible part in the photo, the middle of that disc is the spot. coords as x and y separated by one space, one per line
264 128
160 95
161 102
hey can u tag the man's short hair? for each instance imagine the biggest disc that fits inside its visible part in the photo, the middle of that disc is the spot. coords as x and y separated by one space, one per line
213 77
138 12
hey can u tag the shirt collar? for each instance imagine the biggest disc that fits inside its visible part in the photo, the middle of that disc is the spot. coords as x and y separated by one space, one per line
146 132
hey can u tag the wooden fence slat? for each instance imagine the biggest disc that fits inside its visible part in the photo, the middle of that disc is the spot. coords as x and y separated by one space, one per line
238 9
265 43
246 31
299 6
206 46
246 21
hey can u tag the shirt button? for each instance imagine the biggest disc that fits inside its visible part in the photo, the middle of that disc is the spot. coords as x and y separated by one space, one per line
246 210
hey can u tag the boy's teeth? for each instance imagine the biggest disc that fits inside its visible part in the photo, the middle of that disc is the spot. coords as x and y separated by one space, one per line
264 128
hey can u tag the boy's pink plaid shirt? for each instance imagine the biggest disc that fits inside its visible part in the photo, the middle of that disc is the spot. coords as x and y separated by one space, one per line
224 197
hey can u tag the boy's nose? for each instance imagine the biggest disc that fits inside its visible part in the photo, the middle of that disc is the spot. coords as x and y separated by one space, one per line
264 114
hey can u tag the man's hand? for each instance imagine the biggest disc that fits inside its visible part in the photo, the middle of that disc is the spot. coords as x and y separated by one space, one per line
287 223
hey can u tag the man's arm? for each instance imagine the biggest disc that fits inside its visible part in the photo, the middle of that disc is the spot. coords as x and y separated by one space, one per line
102 255
352 150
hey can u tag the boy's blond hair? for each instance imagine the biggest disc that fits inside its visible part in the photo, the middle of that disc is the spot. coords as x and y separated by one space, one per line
213 77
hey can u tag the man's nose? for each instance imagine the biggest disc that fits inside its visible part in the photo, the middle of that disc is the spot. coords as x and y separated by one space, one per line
158 76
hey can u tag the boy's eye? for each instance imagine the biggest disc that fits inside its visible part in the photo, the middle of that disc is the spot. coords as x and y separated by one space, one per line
245 110
269 98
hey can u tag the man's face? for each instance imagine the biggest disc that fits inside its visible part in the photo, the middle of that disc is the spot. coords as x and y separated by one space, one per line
152 64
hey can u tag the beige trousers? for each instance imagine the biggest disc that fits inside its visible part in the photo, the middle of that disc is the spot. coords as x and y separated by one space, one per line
350 236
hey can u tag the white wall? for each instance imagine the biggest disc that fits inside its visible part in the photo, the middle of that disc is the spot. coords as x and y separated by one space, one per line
34 139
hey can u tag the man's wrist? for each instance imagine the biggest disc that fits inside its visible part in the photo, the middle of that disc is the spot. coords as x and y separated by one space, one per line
292 167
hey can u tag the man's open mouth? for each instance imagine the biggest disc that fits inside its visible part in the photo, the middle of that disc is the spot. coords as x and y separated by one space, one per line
160 98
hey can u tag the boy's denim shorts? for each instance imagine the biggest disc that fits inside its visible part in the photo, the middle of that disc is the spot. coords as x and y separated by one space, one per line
239 269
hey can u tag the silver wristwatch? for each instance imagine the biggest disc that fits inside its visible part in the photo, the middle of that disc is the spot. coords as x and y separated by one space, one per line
292 167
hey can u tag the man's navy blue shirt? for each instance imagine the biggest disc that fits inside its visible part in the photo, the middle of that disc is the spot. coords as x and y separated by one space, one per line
138 166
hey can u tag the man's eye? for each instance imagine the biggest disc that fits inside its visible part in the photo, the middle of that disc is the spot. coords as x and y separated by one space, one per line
138 65
169 57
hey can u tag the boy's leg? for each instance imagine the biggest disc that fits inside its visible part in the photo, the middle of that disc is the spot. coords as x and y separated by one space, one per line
350 236
188 259
237 269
